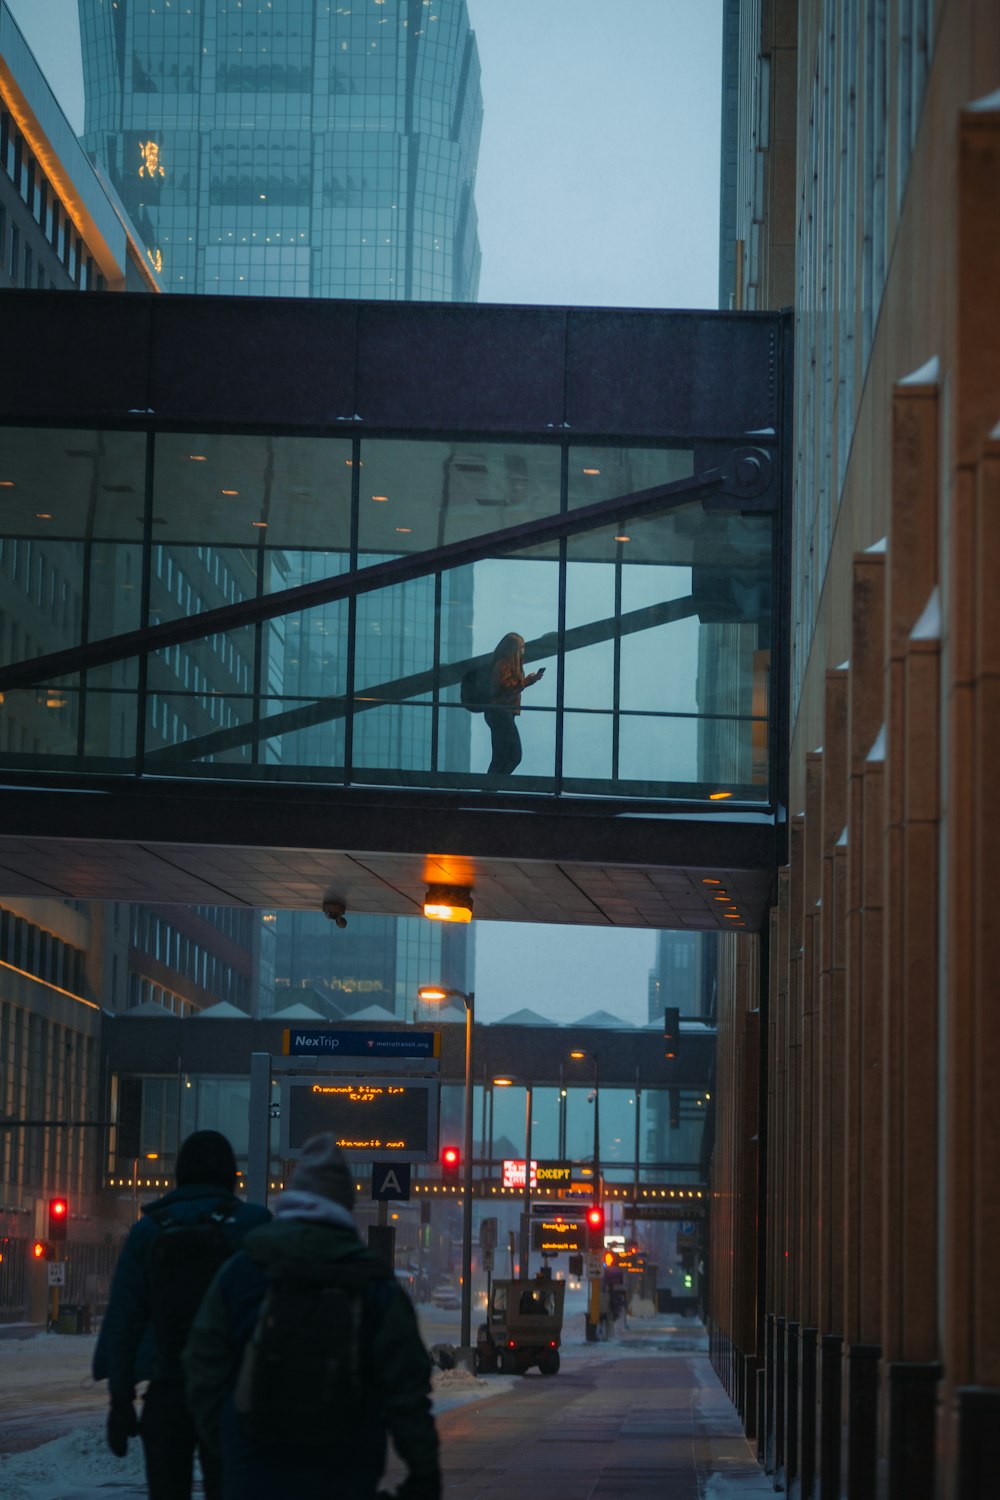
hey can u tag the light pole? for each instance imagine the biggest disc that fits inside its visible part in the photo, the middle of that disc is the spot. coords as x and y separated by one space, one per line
440 992
505 1083
594 1314
578 1056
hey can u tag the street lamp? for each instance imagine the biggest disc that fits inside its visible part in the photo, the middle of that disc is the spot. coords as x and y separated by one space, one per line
441 992
579 1055
594 1313
506 1083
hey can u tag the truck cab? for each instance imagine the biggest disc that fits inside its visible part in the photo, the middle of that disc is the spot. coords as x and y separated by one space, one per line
523 1327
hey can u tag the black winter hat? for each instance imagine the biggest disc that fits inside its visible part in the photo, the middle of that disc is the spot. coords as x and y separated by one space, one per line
206 1156
322 1169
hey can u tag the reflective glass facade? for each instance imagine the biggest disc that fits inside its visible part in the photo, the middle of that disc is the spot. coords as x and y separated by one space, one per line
654 626
292 147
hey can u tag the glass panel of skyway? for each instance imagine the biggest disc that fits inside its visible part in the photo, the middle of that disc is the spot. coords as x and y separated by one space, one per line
649 610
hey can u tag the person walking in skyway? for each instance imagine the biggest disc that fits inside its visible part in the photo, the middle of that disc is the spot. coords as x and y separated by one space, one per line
507 682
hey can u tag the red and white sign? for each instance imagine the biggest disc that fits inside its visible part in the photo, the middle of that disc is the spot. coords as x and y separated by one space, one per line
513 1173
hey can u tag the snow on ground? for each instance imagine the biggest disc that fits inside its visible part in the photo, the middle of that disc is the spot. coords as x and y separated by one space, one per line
72 1467
721 1487
78 1466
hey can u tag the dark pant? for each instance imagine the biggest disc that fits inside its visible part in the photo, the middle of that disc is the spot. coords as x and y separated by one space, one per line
506 741
169 1440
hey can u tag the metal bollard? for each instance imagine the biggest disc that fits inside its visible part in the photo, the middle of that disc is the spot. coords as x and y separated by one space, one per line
792 1405
831 1396
912 1428
978 1441
807 1446
862 1420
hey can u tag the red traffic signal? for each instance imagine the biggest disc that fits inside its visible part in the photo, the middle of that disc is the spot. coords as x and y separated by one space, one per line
40 1250
595 1227
58 1218
451 1160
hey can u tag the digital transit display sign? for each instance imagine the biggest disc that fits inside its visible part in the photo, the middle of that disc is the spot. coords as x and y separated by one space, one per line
373 1119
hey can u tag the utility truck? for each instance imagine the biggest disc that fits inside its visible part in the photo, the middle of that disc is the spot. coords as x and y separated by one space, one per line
523 1327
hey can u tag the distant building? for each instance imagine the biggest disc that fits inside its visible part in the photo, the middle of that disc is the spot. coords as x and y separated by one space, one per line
684 975
298 150
62 225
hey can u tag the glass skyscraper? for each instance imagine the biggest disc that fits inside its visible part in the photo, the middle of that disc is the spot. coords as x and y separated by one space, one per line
299 148
292 147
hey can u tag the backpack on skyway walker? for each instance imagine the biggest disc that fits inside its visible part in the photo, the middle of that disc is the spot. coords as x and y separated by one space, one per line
476 688
301 1378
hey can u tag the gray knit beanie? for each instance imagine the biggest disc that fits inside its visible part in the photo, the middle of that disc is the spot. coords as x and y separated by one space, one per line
322 1169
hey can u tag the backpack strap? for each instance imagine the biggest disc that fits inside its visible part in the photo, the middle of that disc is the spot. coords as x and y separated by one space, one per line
224 1212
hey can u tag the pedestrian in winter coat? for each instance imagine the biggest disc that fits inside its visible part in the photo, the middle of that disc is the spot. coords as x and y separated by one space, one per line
507 682
314 1237
128 1350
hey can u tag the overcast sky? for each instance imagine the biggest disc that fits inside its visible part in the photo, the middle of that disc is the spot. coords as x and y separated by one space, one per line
598 184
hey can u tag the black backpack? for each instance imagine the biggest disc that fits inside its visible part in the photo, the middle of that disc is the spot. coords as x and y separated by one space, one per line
301 1378
182 1260
476 688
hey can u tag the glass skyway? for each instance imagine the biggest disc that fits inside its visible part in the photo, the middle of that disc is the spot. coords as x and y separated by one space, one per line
222 596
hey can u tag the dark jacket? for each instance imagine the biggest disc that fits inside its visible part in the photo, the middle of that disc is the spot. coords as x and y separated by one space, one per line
126 1350
396 1374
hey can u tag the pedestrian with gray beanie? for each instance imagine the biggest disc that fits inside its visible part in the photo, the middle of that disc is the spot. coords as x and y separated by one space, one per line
306 1357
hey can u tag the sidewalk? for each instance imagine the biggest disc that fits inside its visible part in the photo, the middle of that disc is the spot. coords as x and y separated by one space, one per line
616 1422
643 1415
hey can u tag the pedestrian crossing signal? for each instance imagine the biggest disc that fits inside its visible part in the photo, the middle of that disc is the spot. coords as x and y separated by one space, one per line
40 1250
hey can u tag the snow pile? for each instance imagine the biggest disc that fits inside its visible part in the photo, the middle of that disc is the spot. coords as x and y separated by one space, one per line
72 1463
458 1387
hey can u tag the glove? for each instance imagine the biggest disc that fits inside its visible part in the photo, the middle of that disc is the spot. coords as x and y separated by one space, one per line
121 1425
420 1487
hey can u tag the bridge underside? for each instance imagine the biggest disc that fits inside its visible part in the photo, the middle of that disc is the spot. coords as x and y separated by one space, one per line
272 847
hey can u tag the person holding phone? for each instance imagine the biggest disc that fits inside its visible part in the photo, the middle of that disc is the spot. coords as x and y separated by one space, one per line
507 682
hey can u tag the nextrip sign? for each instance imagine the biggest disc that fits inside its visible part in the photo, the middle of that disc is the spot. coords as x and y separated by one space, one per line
372 1119
379 1045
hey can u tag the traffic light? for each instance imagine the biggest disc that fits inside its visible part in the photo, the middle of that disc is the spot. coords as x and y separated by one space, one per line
58 1218
671 1031
595 1227
41 1250
610 1259
451 1161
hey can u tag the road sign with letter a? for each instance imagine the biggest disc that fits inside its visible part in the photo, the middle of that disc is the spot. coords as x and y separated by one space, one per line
391 1179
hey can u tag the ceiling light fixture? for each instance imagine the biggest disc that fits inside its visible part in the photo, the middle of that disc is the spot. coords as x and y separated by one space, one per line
448 903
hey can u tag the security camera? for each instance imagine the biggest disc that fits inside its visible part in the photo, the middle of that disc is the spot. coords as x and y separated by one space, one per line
335 911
